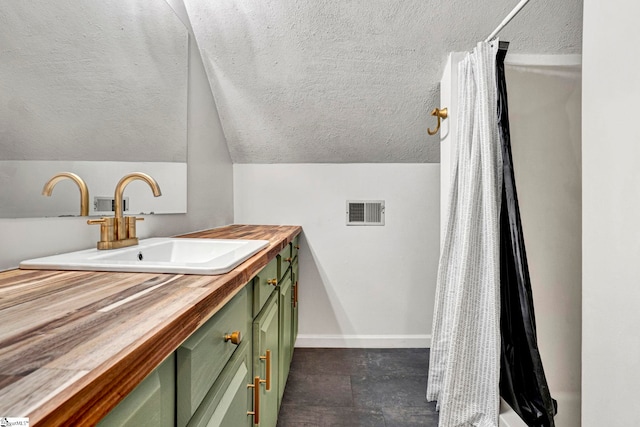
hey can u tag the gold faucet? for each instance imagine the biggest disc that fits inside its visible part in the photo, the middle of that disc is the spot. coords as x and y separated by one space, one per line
84 191
119 231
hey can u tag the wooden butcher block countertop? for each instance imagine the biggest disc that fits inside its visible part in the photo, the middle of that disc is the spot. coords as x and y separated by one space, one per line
74 343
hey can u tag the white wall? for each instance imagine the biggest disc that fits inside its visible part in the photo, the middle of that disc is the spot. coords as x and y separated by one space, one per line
209 198
360 286
611 214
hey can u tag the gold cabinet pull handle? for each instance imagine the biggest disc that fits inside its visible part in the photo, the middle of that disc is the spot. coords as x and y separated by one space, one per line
256 400
441 115
267 358
273 282
235 337
288 260
297 246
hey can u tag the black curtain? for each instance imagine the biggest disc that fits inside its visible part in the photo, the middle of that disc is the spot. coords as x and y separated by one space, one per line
522 381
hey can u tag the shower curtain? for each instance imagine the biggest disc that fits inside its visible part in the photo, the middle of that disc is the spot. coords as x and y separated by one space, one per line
523 384
484 340
464 364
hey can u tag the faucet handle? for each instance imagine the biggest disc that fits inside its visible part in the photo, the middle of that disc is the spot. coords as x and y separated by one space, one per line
131 226
107 228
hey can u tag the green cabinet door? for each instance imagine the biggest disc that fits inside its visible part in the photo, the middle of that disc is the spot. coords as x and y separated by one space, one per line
151 403
228 402
265 359
286 312
296 289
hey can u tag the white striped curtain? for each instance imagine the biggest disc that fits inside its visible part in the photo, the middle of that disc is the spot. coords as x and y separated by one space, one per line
464 369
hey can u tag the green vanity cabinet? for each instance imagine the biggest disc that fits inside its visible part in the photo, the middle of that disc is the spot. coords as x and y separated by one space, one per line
151 403
228 401
203 356
232 371
266 360
285 345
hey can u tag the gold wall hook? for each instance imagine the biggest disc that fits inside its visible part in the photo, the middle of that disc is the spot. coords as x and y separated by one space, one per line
440 114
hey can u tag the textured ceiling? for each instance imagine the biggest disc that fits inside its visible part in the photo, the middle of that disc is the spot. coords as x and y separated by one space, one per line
351 81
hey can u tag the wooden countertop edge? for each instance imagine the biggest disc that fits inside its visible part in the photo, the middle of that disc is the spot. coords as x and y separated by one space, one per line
89 398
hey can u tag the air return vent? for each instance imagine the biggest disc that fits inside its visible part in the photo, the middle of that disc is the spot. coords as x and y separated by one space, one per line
365 212
108 204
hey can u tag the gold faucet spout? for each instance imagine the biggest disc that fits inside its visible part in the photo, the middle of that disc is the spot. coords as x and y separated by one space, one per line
84 190
119 194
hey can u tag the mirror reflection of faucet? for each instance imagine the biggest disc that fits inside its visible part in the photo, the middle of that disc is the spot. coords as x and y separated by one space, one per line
84 190
119 231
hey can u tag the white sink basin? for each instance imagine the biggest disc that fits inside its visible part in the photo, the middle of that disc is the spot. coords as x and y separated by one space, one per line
157 255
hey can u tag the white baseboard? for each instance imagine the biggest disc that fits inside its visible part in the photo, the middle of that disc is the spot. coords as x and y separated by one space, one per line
363 341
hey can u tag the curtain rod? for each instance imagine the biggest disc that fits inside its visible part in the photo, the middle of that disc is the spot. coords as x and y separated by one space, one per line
508 19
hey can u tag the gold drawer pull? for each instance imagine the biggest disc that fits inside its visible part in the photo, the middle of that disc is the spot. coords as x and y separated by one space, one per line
256 400
297 246
273 282
288 260
235 337
267 357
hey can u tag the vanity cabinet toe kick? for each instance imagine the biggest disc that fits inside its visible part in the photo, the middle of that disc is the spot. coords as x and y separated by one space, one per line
199 364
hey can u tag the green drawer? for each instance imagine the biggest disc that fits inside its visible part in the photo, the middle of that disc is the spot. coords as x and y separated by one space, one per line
151 404
263 285
205 353
284 259
228 401
295 246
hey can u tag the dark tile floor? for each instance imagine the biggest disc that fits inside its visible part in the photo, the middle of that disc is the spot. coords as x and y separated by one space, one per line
357 387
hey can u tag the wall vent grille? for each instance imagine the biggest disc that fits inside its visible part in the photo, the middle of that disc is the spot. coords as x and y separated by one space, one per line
365 212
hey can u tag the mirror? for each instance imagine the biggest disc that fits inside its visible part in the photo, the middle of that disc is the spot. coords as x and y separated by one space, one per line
94 88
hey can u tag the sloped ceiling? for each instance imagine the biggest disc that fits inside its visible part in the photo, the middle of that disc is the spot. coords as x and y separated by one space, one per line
351 81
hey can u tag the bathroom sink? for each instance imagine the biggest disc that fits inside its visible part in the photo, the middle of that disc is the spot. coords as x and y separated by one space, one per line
157 255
